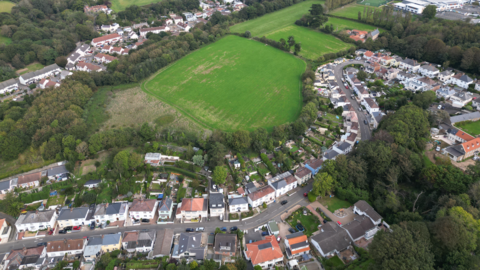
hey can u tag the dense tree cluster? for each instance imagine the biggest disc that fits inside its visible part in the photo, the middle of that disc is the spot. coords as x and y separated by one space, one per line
314 19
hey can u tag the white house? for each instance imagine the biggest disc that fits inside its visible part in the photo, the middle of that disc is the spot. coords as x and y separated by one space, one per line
445 76
45 83
409 64
190 16
462 80
110 212
73 216
132 35
460 99
331 240
24 258
34 221
362 208
29 180
429 71
104 58
238 204
296 244
330 154
361 227
370 105
92 183
155 30
265 253
183 26
165 209
264 195
143 209
177 19
58 173
67 246
303 175
36 76
7 186
110 28
139 241
192 208
8 86
283 183
445 92
5 230
107 39
216 203
88 67
343 147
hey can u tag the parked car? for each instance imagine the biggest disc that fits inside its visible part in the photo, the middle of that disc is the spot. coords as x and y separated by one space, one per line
365 122
92 225
51 232
68 228
300 228
438 148
200 229
278 239
77 228
62 232
284 202
291 230
234 228
189 230
145 220
305 194
265 233
223 229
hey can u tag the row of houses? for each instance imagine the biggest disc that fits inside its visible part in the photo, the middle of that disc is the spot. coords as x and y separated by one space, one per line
30 180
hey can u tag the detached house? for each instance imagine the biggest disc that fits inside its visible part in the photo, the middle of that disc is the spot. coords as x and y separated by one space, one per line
458 136
216 204
138 241
283 184
45 83
343 148
462 80
225 244
165 209
429 71
34 221
104 58
296 244
409 64
464 150
192 208
264 195
330 154
67 246
460 99
445 76
302 175
362 208
107 39
92 184
59 173
143 209
111 212
239 204
155 30
88 67
73 216
265 253
361 227
189 246
331 240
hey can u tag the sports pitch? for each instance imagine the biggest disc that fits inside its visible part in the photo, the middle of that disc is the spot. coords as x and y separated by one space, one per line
281 24
232 84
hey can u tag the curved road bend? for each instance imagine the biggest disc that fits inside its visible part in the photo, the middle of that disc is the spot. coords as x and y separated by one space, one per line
365 131
273 211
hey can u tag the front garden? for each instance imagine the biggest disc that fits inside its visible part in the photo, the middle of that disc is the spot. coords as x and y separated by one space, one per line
309 221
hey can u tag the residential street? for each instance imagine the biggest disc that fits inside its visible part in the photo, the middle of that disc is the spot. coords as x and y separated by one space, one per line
273 211
365 131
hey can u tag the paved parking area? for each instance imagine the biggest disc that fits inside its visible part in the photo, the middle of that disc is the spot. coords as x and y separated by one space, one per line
283 228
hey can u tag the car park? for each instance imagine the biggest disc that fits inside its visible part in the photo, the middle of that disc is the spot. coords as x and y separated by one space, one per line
291 230
300 228
189 230
284 202
200 229
234 228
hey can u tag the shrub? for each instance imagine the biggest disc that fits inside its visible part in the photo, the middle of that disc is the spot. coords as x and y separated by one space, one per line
311 197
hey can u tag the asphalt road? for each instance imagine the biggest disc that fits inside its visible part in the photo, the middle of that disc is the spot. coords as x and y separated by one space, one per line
273 211
365 131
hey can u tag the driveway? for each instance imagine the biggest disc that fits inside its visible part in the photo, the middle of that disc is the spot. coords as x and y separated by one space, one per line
365 131
350 217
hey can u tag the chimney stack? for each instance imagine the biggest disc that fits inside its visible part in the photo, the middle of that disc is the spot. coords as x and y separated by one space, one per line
106 205
71 209
103 235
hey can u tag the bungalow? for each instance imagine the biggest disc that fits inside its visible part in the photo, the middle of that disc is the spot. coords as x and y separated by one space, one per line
362 208
216 203
238 204
111 212
409 65
265 253
284 184
67 246
343 148
264 195
192 208
138 241
73 216
462 80
361 227
155 30
314 166
132 35
189 246
107 39
102 244
225 244
92 184
142 209
29 180
165 209
58 173
88 67
44 83
302 175
370 105
429 71
460 99
163 243
34 221
5 230
36 76
25 258
296 244
103 58
8 86
445 76
331 240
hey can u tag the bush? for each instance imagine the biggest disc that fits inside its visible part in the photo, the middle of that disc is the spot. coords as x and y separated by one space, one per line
311 197
115 253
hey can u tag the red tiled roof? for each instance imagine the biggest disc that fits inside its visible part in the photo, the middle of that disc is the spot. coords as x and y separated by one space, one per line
65 245
240 191
290 179
261 193
195 204
106 37
264 255
464 136
28 178
472 145
352 137
371 103
88 65
354 126
130 236
368 54
356 38
143 205
302 172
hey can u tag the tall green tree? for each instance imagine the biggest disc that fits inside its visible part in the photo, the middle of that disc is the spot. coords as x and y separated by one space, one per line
430 11
219 175
323 184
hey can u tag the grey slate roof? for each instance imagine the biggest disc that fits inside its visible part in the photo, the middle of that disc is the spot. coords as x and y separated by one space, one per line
330 154
465 78
343 146
225 242
359 226
216 199
429 68
279 184
145 239
111 209
251 187
332 237
410 62
446 73
188 241
84 48
73 213
238 201
293 235
4 185
464 117
368 209
92 182
378 116
455 150
33 217
74 57
7 83
166 205
57 170
40 72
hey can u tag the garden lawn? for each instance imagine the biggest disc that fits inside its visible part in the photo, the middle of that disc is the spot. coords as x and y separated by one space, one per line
335 261
350 11
6 6
56 200
334 203
119 5
472 128
309 222
281 24
347 24
31 67
233 84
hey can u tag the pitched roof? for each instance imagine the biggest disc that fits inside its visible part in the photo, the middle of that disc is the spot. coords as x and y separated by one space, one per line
352 137
28 178
42 71
143 205
261 193
332 237
106 37
110 209
343 146
464 117
65 245
368 209
7 83
152 29
429 68
279 184
427 80
473 145
316 163
189 241
225 242
89 66
73 213
130 236
237 201
298 242
216 199
359 226
263 251
371 103
92 182
194 204
163 243
302 172
464 136
57 170
166 205
34 217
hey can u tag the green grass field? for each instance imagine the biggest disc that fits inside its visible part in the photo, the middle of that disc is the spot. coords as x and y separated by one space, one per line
334 203
6 6
119 5
340 24
350 11
281 24
30 68
472 128
233 84
5 40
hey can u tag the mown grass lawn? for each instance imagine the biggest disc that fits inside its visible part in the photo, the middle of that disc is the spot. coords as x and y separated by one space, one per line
6 6
340 24
119 5
31 67
334 203
55 200
351 11
232 84
309 222
472 128
281 24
